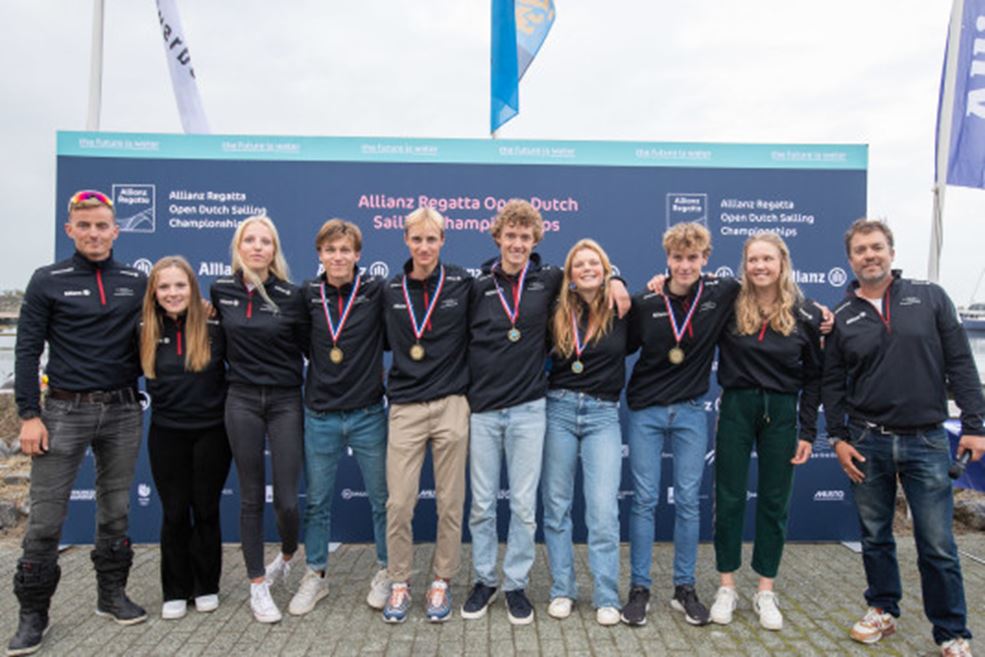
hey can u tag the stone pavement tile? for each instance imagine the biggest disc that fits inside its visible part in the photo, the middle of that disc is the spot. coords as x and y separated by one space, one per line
501 648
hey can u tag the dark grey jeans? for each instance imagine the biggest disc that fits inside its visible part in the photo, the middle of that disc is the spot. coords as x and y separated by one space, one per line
113 432
259 416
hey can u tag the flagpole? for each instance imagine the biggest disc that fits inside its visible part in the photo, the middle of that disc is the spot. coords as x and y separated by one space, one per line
96 67
944 140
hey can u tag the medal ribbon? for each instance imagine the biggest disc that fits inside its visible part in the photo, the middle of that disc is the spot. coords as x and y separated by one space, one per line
679 332
517 294
333 330
579 343
419 328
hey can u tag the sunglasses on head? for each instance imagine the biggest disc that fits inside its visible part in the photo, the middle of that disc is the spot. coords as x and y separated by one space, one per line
81 197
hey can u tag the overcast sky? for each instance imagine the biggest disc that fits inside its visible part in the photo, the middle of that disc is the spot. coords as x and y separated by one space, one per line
841 71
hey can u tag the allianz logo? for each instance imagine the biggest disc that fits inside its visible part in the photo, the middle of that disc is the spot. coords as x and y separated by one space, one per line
76 293
83 495
214 268
829 496
348 493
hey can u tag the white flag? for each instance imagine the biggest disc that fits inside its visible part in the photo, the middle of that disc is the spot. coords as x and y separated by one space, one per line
182 74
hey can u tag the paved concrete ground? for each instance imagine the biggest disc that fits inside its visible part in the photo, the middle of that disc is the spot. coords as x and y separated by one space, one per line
820 593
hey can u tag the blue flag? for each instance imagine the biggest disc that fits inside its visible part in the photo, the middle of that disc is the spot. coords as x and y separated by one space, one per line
519 28
964 107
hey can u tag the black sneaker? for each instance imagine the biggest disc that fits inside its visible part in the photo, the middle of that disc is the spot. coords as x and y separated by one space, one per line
634 613
480 597
686 600
518 608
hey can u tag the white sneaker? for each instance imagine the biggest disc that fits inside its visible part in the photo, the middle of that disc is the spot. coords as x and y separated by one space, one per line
764 603
313 587
956 648
560 608
607 616
379 590
207 603
264 609
174 609
278 569
726 600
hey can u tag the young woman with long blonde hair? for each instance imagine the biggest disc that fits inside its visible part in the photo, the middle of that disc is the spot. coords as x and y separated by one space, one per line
266 327
587 375
769 360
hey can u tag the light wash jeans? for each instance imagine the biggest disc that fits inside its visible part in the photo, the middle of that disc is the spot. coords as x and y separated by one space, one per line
517 431
686 425
325 438
579 423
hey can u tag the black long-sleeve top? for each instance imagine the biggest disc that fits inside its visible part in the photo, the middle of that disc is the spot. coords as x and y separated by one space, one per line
88 313
264 344
657 381
898 375
505 373
778 363
181 399
357 381
604 363
444 369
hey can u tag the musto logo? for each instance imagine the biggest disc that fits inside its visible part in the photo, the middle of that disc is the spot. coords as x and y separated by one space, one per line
829 496
135 208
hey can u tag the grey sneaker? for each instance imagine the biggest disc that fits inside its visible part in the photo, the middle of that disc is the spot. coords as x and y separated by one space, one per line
313 587
634 613
379 590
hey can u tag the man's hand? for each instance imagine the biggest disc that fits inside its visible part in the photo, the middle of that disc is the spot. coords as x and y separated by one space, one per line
656 284
827 318
620 296
847 455
973 444
804 449
34 437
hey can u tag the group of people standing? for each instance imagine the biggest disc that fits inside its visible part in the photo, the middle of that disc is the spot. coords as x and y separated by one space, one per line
468 378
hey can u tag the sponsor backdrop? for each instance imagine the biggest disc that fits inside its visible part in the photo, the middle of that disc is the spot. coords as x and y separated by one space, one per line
186 194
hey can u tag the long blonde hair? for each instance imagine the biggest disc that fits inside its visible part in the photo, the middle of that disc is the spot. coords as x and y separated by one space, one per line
198 352
749 318
599 311
278 266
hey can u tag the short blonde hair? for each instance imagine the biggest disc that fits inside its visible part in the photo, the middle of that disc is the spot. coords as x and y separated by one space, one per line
687 237
425 216
520 214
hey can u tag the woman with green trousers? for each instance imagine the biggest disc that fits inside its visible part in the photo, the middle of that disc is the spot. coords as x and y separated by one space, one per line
769 358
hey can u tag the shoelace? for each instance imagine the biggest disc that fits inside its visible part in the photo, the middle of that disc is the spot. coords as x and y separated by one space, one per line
397 595
436 597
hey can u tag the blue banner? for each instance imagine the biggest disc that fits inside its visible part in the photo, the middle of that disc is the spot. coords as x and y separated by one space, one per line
966 157
519 28
187 193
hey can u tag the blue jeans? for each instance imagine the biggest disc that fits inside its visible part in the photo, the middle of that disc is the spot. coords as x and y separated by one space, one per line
921 462
686 424
577 422
325 438
112 431
519 432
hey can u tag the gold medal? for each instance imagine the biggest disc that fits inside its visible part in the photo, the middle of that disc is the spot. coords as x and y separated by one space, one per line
675 356
514 334
335 355
417 352
577 367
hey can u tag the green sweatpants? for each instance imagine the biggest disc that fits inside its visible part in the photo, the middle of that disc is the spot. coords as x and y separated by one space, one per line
767 420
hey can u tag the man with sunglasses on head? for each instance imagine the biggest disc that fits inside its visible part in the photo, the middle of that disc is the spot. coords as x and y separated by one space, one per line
86 308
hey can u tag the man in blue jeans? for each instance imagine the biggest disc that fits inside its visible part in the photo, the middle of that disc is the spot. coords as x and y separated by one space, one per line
343 403
897 350
86 308
677 330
